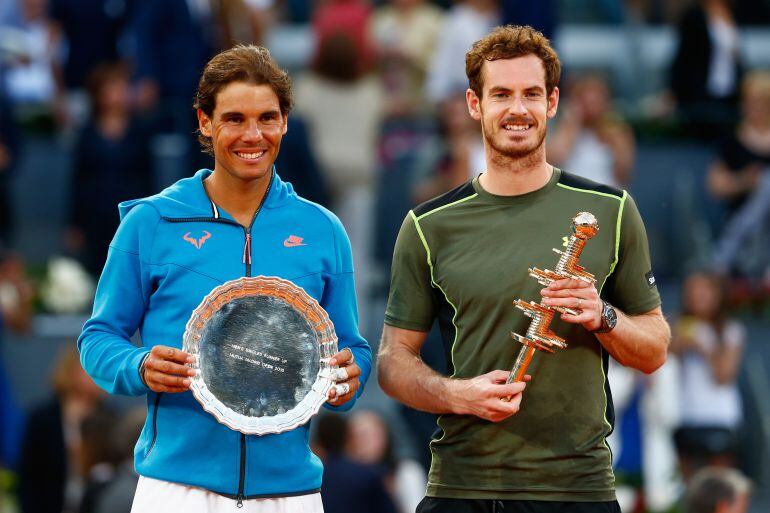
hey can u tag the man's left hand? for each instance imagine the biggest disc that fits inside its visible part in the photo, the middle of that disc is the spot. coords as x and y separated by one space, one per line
347 378
576 295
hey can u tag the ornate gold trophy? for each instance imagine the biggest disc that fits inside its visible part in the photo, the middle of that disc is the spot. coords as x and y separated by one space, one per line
539 336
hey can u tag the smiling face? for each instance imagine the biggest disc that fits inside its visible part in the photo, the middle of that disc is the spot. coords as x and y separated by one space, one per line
514 107
245 128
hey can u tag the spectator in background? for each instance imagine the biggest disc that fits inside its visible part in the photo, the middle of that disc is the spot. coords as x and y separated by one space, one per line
466 22
745 152
244 21
91 30
30 79
538 15
343 108
405 34
10 142
349 17
117 494
718 490
173 41
348 486
49 478
591 139
16 292
740 177
16 295
453 156
97 456
743 248
371 443
299 164
710 347
111 164
706 69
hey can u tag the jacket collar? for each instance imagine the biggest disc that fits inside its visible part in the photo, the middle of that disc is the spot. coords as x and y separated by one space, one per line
188 198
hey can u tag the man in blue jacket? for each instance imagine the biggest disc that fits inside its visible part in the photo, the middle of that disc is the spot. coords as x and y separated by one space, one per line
170 251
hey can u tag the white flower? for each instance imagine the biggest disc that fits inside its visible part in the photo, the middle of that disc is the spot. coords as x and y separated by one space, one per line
68 288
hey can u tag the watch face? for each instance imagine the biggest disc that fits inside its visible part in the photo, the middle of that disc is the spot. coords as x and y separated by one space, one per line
610 316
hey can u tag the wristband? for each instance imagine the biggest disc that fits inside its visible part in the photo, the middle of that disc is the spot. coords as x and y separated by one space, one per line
142 369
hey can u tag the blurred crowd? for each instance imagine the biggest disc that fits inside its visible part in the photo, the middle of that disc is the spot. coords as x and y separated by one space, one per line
380 124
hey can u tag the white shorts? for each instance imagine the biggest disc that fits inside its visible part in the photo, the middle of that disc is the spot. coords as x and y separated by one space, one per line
153 496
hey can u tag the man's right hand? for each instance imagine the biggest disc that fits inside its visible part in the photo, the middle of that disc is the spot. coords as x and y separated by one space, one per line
483 396
165 370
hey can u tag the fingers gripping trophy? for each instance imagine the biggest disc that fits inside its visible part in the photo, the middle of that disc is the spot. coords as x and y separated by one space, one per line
539 336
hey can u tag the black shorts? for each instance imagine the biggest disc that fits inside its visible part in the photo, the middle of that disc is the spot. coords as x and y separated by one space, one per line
436 505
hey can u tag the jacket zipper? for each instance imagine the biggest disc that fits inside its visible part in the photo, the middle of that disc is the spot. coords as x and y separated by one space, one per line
247 262
154 423
242 475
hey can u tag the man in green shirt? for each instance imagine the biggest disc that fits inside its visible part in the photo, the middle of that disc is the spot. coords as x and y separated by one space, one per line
462 259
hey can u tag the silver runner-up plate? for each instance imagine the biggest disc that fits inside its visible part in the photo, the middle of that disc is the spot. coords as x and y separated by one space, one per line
262 347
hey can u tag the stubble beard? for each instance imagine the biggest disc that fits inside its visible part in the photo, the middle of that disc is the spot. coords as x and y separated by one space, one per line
521 154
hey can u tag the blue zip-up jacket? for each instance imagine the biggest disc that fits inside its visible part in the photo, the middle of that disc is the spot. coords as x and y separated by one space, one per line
169 252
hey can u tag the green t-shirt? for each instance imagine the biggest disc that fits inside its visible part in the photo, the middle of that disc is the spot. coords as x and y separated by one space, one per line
462 259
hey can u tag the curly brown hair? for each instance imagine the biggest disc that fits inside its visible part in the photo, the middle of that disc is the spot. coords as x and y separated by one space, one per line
509 42
243 63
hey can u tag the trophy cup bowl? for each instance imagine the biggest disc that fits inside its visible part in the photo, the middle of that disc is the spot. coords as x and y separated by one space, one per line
585 225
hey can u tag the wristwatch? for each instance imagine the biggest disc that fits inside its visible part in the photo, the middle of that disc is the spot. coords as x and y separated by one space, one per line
609 318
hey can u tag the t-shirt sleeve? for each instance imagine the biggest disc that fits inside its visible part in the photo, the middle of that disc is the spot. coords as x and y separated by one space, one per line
631 287
412 302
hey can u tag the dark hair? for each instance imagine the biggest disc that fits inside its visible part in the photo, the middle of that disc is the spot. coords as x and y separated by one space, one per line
101 75
338 58
712 485
509 42
243 63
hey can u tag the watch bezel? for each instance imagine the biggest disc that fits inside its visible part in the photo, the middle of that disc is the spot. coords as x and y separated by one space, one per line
609 318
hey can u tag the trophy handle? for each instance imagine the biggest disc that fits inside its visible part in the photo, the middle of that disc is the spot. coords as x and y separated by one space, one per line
521 364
